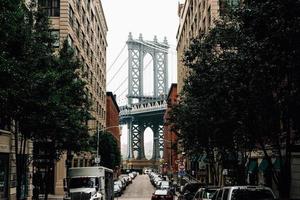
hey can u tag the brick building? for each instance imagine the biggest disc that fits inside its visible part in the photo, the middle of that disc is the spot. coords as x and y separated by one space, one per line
170 138
112 116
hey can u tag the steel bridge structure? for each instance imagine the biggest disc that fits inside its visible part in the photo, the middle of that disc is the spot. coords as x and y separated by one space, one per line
144 111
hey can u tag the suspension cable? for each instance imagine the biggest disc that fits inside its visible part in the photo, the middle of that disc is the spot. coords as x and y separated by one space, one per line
118 70
115 60
121 84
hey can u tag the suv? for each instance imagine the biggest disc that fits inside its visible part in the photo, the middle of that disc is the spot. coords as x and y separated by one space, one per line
187 192
244 193
205 193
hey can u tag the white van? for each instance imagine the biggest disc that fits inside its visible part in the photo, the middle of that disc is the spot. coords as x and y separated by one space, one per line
89 183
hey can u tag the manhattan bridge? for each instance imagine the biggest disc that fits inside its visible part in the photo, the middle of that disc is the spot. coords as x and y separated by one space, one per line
141 110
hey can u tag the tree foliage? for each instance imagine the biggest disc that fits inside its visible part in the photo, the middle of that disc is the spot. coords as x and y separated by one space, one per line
42 96
242 91
108 149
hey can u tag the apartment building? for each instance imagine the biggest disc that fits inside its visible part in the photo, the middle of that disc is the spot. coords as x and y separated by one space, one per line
112 117
82 23
195 18
170 138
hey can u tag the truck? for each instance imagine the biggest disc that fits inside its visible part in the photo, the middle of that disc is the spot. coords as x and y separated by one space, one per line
89 183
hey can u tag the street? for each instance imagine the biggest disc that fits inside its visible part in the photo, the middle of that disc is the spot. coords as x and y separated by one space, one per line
140 189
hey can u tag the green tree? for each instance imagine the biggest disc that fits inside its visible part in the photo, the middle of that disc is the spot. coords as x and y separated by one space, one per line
108 149
243 88
42 96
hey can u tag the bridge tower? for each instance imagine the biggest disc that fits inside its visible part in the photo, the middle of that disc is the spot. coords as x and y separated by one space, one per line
145 111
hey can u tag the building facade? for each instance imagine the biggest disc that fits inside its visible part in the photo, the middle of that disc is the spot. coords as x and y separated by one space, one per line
195 18
82 23
170 137
8 171
112 117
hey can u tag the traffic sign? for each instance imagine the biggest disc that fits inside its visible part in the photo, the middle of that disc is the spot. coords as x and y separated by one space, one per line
97 160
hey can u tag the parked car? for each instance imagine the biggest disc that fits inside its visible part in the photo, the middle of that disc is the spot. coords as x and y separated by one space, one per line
162 195
131 175
117 190
205 193
164 185
120 184
188 191
244 193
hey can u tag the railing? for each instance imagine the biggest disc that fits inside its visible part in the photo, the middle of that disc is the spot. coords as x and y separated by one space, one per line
143 107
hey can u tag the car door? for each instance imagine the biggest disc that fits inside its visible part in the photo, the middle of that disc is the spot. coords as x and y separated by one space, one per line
225 194
197 196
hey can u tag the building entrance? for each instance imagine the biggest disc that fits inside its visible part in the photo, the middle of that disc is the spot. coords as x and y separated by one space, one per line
4 175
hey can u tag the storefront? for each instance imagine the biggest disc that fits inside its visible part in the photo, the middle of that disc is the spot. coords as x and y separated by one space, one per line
5 150
8 171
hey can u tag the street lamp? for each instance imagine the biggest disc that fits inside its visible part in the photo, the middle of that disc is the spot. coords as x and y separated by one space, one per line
97 159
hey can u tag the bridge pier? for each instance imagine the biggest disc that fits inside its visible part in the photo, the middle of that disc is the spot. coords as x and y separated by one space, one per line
145 111
155 154
129 140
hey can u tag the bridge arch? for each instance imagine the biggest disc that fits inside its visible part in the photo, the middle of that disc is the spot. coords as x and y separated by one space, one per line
137 49
148 74
145 110
148 142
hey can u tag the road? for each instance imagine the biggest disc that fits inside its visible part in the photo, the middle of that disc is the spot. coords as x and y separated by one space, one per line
140 189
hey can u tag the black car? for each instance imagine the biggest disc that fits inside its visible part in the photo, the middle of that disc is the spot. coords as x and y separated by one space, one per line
189 190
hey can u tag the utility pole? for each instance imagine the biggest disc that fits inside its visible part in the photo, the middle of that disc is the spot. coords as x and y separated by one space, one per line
98 157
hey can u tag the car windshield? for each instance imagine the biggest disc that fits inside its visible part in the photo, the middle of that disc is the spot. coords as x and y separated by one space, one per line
192 187
246 194
164 183
83 182
209 193
116 187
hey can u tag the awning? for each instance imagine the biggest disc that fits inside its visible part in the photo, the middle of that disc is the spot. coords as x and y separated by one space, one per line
276 164
202 161
263 166
252 167
194 158
202 158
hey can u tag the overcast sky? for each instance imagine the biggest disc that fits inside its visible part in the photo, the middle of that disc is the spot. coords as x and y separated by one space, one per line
149 17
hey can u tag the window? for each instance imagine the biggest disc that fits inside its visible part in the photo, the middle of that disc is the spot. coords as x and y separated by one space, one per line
88 4
70 41
50 7
209 16
92 37
82 39
71 16
81 163
55 36
87 27
82 17
225 194
75 163
91 78
92 17
77 28
77 51
78 5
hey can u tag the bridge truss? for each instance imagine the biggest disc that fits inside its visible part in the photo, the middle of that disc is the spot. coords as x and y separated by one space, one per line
144 111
